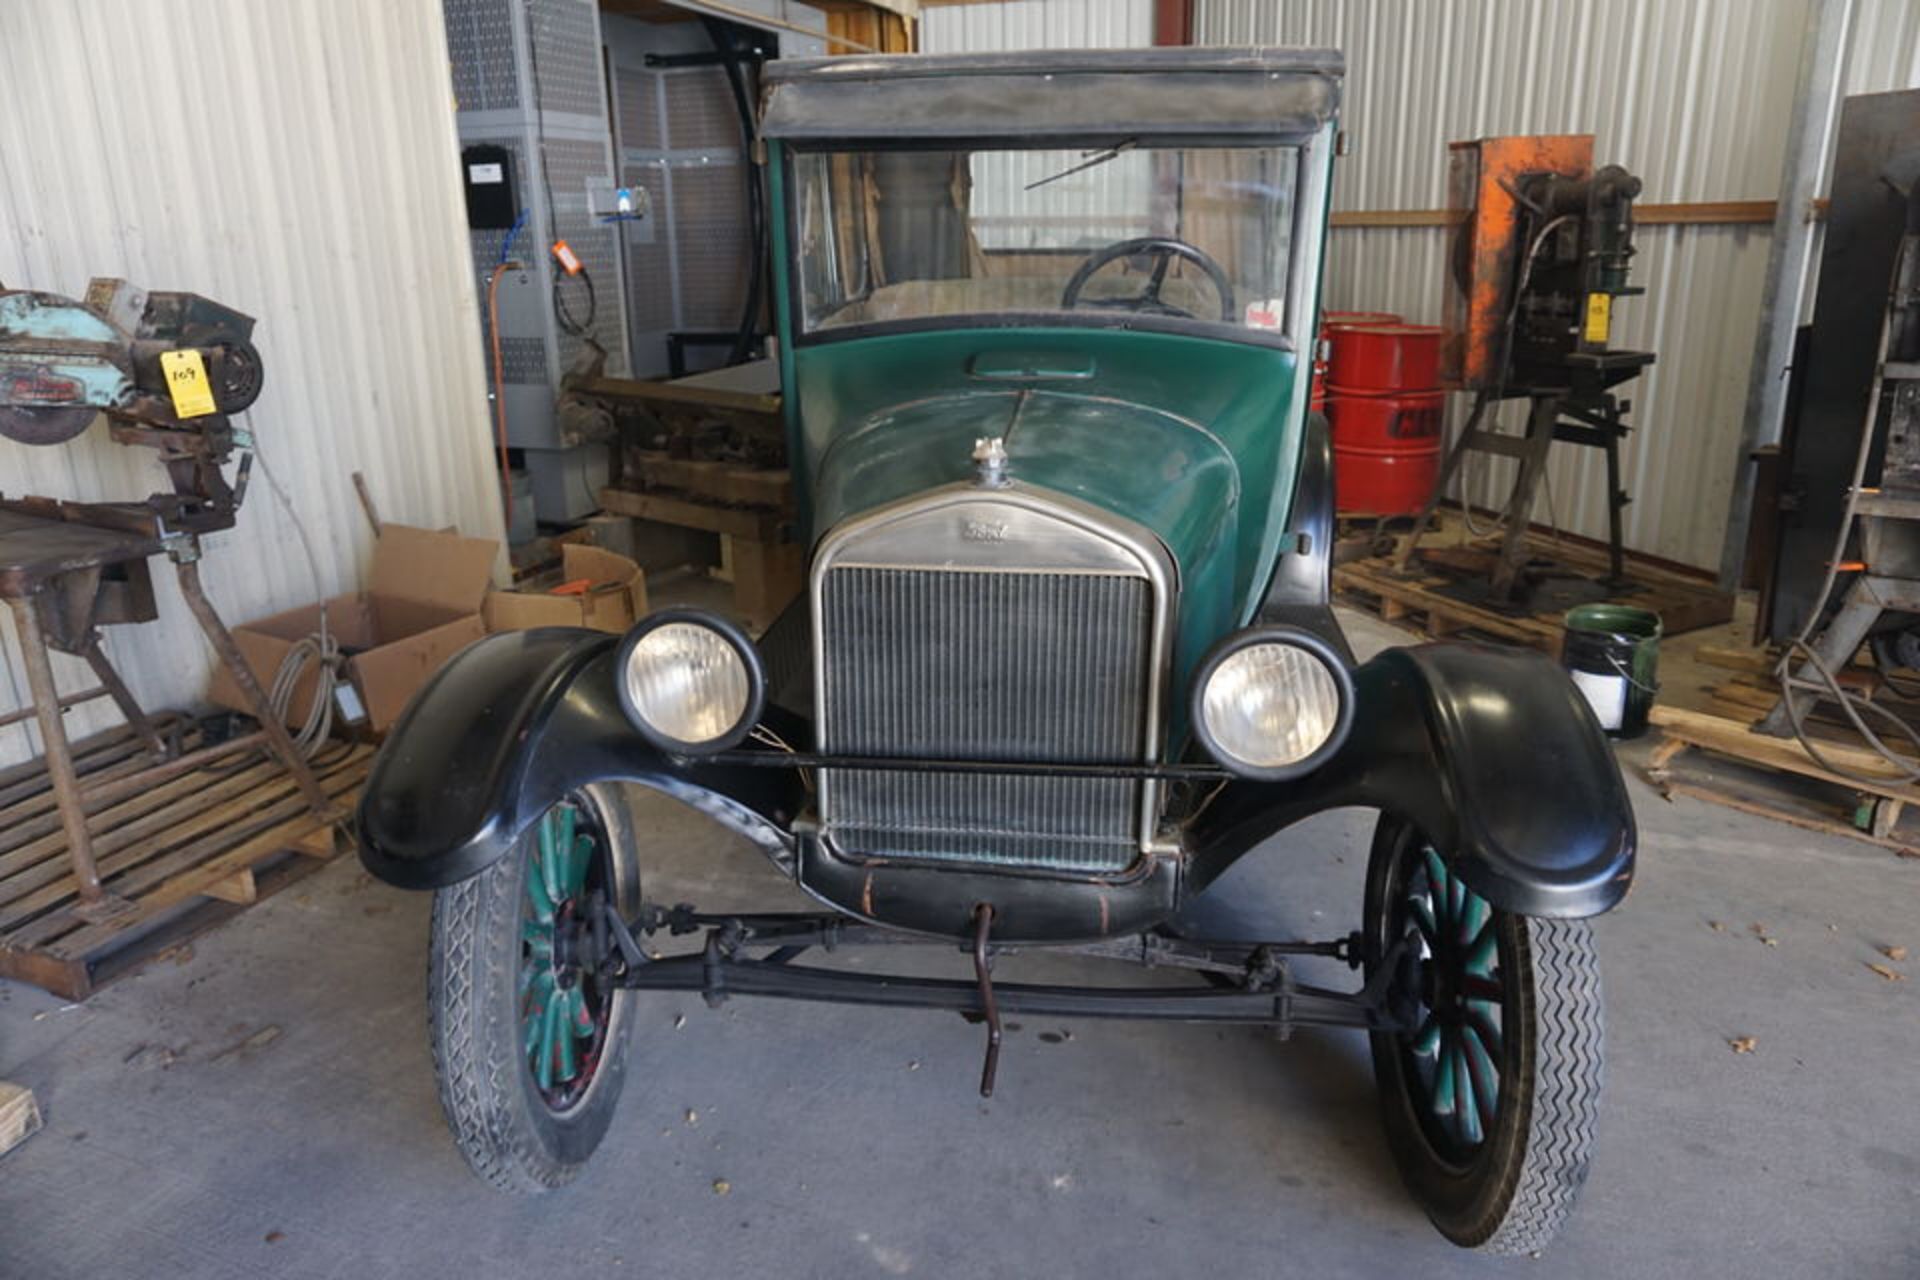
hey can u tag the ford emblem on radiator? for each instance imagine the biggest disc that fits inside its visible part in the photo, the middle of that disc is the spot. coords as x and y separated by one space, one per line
983 530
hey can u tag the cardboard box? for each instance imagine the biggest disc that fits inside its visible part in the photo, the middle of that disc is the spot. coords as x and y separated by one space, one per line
421 607
616 595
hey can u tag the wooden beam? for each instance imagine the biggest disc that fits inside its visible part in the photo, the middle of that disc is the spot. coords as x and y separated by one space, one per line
908 9
754 526
681 393
1692 213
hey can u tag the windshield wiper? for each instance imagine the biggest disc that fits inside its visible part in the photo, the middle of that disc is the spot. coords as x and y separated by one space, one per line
1099 158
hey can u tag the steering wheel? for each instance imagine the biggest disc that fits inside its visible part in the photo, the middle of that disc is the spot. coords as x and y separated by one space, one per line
1165 249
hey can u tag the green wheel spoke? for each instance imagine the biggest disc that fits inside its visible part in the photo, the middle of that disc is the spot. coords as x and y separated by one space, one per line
1422 916
537 1026
1444 1100
1474 918
539 900
1480 960
1426 1041
582 1019
565 1065
1482 1017
578 864
1466 1113
1483 1073
553 850
1436 881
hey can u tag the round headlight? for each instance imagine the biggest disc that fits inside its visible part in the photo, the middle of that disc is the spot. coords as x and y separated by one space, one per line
1272 703
690 681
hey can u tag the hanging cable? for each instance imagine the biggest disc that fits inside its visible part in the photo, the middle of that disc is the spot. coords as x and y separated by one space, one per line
561 311
722 35
317 654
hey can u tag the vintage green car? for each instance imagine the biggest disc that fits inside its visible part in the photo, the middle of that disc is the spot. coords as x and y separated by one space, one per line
1065 654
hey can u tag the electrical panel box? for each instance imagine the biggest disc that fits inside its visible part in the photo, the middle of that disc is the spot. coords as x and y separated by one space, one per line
487 175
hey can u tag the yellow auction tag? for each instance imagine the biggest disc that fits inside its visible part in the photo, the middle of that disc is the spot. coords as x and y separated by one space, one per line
187 384
1599 316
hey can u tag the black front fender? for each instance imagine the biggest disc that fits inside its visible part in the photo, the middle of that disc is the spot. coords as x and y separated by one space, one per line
507 728
1491 752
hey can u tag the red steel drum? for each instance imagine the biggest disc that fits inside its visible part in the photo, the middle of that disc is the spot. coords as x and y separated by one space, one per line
1373 359
1377 482
1409 423
1386 450
1338 319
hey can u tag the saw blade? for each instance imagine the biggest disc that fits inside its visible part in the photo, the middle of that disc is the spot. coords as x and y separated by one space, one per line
44 426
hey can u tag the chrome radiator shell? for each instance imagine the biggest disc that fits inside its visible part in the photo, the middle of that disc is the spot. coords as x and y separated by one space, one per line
1004 624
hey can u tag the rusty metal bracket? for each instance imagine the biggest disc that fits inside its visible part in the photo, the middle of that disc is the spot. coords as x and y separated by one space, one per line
989 1008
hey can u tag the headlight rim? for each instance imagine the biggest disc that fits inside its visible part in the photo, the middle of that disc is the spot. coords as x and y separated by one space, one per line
742 644
1272 633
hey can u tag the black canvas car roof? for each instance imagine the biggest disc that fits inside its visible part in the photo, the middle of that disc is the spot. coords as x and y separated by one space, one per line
1170 94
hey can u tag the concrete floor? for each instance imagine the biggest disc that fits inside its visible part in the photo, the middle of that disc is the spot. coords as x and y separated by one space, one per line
265 1106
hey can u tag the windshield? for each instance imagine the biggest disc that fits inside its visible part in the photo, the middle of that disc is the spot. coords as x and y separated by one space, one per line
1149 234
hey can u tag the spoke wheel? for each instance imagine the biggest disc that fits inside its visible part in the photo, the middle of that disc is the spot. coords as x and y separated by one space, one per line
1489 1095
529 1044
564 1012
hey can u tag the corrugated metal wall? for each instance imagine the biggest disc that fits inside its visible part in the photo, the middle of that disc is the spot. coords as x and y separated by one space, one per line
1693 96
294 160
1036 24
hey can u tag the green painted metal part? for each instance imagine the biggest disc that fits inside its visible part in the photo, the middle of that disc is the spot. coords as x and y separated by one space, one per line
1190 437
553 1016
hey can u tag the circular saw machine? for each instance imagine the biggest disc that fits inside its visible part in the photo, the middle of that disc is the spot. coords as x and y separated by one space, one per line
166 369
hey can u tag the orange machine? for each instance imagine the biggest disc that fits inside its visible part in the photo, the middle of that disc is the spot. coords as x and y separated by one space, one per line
1541 246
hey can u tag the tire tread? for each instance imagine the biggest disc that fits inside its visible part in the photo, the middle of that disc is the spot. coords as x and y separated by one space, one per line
1568 1058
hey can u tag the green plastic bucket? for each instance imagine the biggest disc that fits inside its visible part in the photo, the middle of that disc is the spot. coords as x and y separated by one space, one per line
1612 651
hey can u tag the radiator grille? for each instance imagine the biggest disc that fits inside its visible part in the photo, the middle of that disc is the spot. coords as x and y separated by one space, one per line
988 665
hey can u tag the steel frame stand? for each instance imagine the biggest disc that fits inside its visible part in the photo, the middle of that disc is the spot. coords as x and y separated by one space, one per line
1597 420
1848 629
33 598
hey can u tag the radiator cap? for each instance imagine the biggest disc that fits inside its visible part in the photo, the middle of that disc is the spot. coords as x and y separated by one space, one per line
990 462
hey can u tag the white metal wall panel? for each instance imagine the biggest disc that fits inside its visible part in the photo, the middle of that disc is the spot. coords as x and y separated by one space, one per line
1036 24
1693 96
294 160
1884 49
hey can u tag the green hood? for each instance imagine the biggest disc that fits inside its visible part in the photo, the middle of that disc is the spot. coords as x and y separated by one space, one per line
1186 436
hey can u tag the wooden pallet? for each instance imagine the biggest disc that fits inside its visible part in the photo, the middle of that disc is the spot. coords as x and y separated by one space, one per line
1819 800
1684 603
187 854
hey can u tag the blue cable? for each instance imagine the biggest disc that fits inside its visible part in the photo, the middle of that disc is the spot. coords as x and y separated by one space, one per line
520 220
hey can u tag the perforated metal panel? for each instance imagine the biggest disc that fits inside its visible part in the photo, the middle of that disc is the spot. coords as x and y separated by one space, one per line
650 294
480 45
710 241
700 110
568 46
524 360
637 108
